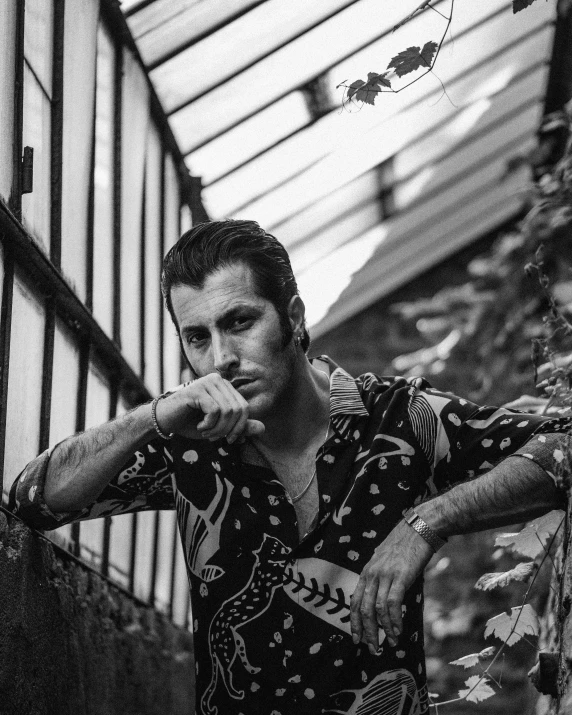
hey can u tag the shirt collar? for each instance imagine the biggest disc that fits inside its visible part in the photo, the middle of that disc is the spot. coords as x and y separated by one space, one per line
346 404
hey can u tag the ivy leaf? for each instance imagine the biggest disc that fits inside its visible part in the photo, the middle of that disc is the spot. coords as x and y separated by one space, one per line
522 619
518 5
521 572
531 539
468 661
413 58
478 689
368 91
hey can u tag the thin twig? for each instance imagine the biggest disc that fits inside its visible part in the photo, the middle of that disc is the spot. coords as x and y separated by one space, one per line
423 6
486 672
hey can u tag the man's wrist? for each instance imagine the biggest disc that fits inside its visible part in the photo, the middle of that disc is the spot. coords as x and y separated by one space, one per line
416 522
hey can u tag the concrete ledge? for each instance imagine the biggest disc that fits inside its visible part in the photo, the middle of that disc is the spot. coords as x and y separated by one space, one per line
72 643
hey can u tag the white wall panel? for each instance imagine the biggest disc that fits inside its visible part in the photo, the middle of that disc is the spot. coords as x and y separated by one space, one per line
103 184
135 120
25 380
79 80
7 68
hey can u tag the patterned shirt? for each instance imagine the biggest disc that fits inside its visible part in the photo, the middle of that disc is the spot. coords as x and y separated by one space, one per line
271 616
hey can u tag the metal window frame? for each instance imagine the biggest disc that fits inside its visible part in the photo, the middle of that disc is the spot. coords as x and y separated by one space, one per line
59 299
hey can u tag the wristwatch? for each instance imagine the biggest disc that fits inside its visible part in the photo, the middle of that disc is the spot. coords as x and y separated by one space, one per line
417 523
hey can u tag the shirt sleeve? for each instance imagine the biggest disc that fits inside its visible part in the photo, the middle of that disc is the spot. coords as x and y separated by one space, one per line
461 439
144 483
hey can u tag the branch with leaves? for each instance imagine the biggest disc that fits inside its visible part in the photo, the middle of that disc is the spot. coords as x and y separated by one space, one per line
407 61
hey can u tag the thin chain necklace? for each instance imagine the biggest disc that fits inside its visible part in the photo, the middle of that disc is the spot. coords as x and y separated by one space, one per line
305 489
299 496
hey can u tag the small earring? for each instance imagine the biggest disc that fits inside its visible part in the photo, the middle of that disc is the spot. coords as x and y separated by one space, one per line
297 341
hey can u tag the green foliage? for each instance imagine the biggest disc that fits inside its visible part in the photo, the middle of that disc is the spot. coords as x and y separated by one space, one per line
413 58
510 628
518 5
367 91
521 572
531 539
477 689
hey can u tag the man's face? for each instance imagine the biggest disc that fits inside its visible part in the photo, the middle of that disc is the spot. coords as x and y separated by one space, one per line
226 327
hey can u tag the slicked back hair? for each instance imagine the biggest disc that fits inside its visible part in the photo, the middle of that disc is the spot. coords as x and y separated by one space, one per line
212 245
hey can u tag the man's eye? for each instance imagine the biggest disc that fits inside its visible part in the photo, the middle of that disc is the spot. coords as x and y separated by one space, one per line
195 339
242 322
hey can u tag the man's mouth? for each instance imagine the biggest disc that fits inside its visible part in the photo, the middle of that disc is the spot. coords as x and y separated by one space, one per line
241 382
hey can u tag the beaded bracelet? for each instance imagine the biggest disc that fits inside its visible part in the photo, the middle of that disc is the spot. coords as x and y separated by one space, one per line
154 418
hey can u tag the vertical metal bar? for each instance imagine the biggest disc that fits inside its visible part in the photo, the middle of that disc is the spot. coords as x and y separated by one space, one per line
143 286
57 135
47 372
117 148
155 558
133 554
5 330
15 201
84 353
173 568
91 208
107 522
162 253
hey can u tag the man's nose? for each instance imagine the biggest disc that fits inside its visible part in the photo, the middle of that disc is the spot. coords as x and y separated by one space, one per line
225 355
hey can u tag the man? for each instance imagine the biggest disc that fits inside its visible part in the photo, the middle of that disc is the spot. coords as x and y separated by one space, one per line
290 480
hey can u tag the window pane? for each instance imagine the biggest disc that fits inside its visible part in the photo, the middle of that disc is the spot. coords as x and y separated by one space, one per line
165 25
79 78
7 67
152 297
25 380
172 353
135 118
103 184
167 526
65 381
236 46
96 413
38 42
121 528
181 591
120 548
144 554
36 133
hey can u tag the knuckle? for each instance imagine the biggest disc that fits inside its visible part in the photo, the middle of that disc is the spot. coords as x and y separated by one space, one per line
363 610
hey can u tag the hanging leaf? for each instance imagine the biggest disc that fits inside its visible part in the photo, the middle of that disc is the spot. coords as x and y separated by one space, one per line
368 91
521 572
413 58
530 541
469 661
518 5
511 628
478 689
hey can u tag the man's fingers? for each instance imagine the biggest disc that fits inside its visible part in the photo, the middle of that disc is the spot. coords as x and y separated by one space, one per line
388 608
355 615
253 428
369 615
395 604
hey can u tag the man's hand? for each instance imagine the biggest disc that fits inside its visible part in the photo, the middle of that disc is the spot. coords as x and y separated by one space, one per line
207 408
378 597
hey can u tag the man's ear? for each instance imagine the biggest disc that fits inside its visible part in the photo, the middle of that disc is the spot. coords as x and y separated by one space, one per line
296 314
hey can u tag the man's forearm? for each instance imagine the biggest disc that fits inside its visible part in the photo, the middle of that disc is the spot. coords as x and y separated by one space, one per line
81 466
516 490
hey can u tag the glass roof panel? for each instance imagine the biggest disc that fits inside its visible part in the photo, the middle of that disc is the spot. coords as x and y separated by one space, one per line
165 25
287 69
236 46
310 221
249 138
370 149
351 226
338 130
360 285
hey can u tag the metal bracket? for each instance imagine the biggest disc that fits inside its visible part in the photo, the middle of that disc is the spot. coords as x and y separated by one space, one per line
27 179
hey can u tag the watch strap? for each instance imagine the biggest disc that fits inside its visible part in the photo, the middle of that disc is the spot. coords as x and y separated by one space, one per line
424 530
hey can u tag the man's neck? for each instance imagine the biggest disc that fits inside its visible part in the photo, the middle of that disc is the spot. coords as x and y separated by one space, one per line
303 411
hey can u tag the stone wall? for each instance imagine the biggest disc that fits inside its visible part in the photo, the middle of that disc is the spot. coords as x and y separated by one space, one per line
72 643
